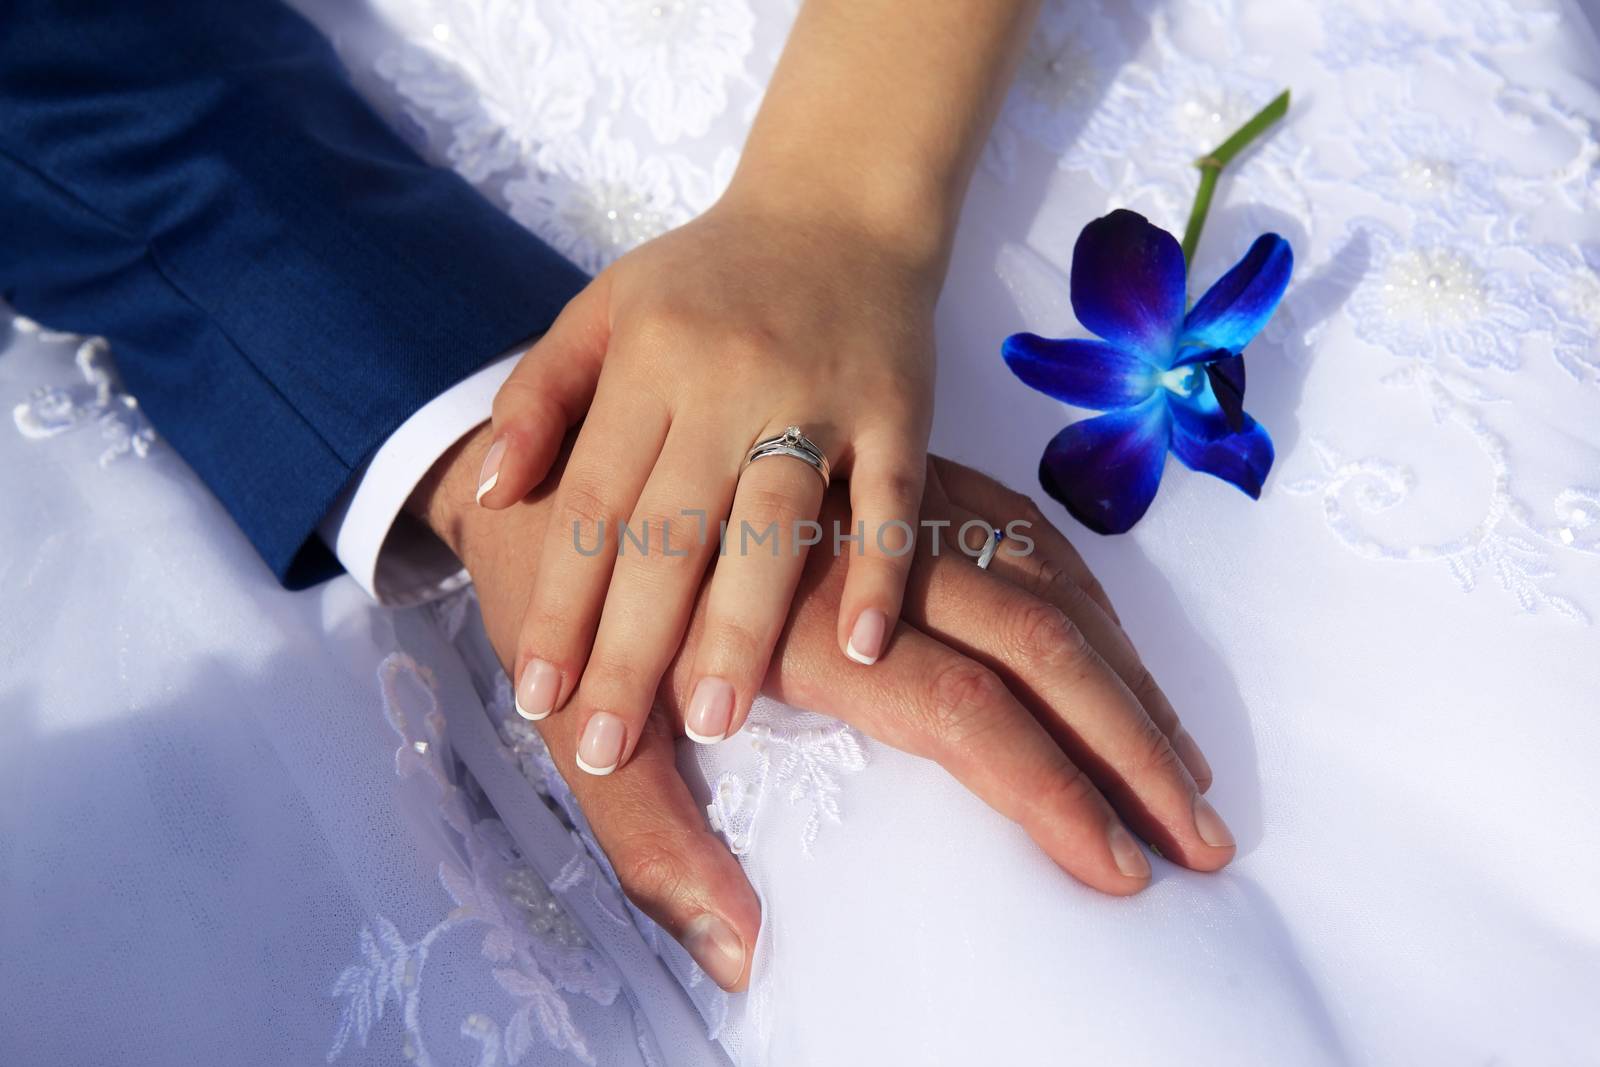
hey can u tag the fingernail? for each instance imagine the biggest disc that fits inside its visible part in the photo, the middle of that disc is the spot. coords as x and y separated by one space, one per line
716 948
601 747
710 711
1126 851
1190 754
538 689
489 474
1209 825
866 640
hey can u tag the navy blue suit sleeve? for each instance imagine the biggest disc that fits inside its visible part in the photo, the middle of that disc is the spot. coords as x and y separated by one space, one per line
283 280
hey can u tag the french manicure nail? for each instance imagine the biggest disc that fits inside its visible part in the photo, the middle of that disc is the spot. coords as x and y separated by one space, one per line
1127 853
716 948
1209 825
489 474
710 711
866 639
601 748
1190 754
538 689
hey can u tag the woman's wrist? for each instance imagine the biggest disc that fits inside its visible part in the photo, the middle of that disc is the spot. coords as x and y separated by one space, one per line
903 216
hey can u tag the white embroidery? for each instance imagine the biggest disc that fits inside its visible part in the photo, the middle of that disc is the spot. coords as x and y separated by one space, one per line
1428 163
594 199
540 954
1431 295
1575 179
1566 299
98 400
671 60
1071 59
1160 115
494 76
807 756
1508 542
1398 32
589 872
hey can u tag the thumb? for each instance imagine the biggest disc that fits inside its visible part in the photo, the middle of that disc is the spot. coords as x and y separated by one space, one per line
547 393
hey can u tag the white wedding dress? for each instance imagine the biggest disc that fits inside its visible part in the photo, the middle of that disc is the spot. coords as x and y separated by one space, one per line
240 825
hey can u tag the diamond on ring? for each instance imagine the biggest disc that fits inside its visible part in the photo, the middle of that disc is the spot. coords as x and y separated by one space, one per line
793 443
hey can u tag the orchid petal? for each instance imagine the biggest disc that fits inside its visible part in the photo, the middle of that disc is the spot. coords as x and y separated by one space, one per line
1106 469
1128 284
1201 415
1235 309
1242 459
1227 385
1087 373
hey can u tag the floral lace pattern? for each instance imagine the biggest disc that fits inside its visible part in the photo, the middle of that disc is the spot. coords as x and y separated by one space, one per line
98 400
801 755
531 100
539 956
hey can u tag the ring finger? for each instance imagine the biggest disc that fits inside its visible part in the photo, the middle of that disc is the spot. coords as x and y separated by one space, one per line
772 525
1042 574
1049 662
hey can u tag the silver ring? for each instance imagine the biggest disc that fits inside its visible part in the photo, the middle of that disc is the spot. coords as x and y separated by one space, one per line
794 444
990 547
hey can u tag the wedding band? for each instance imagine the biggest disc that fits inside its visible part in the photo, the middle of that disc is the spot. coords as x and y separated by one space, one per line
990 547
794 444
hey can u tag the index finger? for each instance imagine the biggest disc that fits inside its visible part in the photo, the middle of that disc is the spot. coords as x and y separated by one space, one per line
668 861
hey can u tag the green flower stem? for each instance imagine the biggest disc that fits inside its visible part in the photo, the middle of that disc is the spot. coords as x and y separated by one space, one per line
1211 168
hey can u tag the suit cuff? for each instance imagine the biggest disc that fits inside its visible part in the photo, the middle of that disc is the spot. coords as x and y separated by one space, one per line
391 554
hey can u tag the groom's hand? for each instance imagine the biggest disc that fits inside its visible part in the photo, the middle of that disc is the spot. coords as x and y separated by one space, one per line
1017 680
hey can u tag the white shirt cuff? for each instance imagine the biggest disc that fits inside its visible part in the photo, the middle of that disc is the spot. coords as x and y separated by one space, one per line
391 554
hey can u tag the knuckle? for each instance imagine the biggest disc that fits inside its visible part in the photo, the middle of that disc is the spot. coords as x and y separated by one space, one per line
608 675
520 397
1144 687
540 637
1042 633
1065 787
900 490
667 543
1046 578
651 867
964 698
736 642
660 327
585 505
1094 590
763 507
748 343
1157 758
887 567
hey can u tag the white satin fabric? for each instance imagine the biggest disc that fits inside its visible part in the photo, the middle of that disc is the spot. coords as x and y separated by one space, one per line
243 824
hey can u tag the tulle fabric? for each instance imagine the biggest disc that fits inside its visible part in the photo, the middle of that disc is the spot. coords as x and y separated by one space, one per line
243 825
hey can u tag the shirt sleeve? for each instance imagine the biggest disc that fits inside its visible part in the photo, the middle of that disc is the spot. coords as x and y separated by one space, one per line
393 556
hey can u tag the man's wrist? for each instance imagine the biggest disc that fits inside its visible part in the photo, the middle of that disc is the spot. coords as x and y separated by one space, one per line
445 499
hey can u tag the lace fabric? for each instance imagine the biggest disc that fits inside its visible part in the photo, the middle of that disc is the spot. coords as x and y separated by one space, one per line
294 828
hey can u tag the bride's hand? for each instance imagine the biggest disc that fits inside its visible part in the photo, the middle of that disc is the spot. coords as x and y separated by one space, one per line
696 345
1017 680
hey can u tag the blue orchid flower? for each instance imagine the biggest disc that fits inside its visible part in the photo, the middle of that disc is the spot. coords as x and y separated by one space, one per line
1166 380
